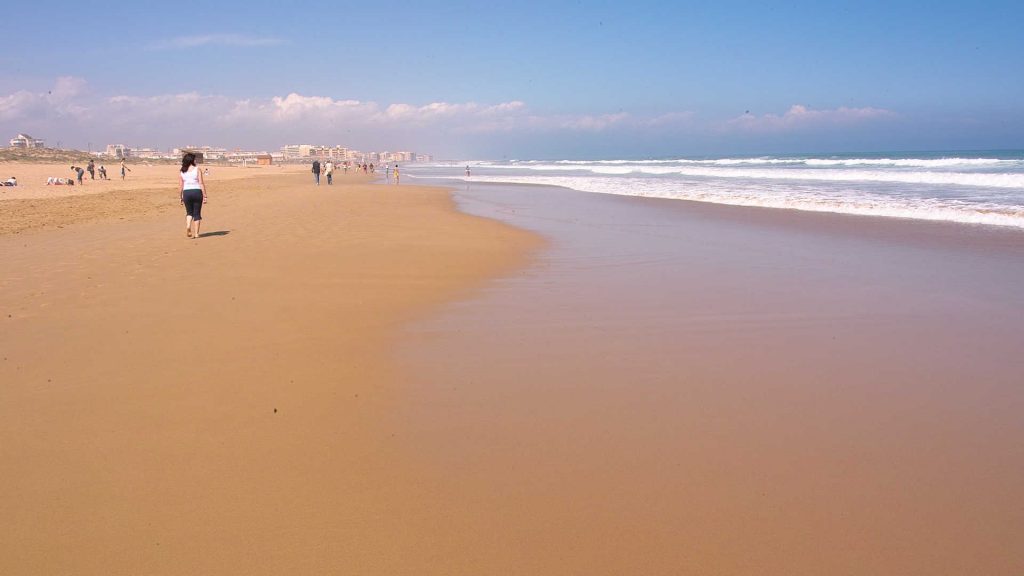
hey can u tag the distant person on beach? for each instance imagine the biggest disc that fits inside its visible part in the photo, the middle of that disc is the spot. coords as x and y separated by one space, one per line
193 194
124 168
91 168
79 171
12 181
371 167
387 172
316 171
328 170
103 172
396 173
206 171
467 170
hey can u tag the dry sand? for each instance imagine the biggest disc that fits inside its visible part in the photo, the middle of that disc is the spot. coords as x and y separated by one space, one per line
176 406
148 188
143 176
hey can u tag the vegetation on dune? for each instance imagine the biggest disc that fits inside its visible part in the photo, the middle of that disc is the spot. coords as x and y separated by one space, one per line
56 155
44 155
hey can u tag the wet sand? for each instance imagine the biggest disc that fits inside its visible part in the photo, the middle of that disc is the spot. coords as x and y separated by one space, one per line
680 388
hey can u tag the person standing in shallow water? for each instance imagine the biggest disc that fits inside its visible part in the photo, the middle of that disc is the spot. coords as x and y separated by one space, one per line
193 194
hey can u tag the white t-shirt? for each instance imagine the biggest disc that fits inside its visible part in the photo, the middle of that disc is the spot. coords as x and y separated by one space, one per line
191 179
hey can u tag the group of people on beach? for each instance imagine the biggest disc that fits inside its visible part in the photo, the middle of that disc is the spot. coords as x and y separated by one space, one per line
91 169
193 186
327 169
79 173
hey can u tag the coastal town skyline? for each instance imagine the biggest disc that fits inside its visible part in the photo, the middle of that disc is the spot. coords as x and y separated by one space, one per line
288 152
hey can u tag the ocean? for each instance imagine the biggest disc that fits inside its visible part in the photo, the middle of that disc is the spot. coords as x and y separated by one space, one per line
978 187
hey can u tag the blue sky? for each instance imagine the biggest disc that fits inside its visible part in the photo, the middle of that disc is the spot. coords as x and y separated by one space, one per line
526 79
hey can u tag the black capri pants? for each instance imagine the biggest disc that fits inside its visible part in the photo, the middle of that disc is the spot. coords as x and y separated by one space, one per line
193 203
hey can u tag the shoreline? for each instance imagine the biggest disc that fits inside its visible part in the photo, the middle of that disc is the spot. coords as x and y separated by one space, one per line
892 228
886 228
929 187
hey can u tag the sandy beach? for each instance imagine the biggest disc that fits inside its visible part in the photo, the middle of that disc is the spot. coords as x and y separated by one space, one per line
373 379
180 406
618 289
143 191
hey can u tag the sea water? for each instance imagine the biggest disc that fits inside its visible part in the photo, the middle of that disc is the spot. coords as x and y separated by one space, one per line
985 187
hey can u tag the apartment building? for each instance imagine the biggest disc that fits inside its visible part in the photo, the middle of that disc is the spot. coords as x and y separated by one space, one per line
119 151
26 141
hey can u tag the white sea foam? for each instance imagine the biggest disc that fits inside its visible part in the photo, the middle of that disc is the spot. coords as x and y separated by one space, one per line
844 201
950 162
1000 180
909 162
958 188
942 178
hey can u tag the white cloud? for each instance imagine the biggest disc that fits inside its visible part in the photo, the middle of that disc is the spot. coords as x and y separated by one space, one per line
669 120
507 107
600 122
801 117
60 101
19 104
182 109
66 88
294 110
229 39
71 112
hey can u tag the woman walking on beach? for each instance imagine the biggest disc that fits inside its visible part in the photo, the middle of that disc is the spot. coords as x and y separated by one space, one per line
193 194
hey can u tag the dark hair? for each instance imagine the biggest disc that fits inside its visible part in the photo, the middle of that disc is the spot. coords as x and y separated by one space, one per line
189 159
